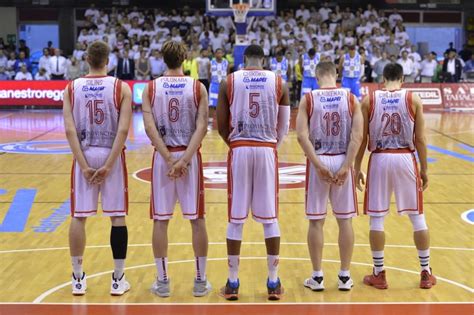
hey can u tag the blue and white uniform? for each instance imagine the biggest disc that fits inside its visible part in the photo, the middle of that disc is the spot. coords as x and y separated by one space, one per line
280 68
351 71
218 72
309 73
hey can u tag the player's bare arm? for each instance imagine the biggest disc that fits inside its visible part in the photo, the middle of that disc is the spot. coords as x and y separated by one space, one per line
152 132
302 131
223 112
420 139
339 67
71 135
354 144
283 114
122 133
180 167
360 176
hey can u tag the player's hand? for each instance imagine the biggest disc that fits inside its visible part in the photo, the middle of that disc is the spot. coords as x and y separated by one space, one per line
88 174
424 179
341 175
360 180
100 175
325 174
178 169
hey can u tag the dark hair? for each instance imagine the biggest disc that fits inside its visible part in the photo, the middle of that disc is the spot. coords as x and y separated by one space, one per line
393 72
97 54
326 68
174 53
312 52
254 51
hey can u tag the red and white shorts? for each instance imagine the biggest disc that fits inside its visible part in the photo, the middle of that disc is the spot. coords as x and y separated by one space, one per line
318 192
394 171
113 191
188 190
252 181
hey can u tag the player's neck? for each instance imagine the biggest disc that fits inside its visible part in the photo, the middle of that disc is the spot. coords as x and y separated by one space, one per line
174 72
97 73
326 83
391 86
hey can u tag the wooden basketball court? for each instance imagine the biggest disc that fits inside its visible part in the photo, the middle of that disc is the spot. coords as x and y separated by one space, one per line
35 266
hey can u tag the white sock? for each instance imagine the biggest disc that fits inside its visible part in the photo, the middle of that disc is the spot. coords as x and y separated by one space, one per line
233 261
77 266
201 268
119 267
317 273
377 256
162 268
424 256
344 273
272 263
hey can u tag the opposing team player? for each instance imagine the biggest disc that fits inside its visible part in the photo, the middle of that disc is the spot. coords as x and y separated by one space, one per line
329 128
218 70
175 112
350 69
393 121
97 111
253 117
309 61
280 66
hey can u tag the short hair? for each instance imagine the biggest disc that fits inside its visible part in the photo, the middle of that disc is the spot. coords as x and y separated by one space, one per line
326 68
312 52
174 54
254 51
97 54
393 72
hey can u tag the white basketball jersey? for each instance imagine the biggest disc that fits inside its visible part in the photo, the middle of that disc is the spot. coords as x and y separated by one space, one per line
330 120
253 98
95 105
174 101
392 121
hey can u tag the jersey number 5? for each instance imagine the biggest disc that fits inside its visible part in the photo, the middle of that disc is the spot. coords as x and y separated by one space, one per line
173 110
96 115
254 106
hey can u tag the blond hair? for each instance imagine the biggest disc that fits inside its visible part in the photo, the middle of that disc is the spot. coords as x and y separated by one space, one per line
97 54
174 54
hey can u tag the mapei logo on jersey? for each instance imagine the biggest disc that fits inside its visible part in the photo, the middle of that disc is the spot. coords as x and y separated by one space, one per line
255 80
167 85
292 175
324 99
390 100
86 88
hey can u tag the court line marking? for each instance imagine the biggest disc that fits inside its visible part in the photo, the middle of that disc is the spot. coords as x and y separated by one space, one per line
223 243
464 216
59 287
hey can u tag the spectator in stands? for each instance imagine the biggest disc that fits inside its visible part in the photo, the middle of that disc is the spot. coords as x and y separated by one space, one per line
469 67
203 63
43 62
126 67
465 53
22 60
23 74
79 50
391 48
3 59
84 65
408 67
50 47
11 65
73 69
394 18
92 12
24 48
113 61
157 65
452 68
324 11
142 66
379 66
57 65
42 75
428 68
414 53
450 48
4 75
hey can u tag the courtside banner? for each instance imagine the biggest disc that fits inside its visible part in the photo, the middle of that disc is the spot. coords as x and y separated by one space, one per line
48 93
458 95
430 93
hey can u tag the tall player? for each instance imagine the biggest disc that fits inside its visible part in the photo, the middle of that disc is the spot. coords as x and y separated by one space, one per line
309 61
97 111
329 128
175 112
280 66
393 120
350 69
253 117
219 68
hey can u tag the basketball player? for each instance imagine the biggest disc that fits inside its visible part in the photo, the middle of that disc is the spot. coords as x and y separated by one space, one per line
97 111
350 68
329 128
393 119
218 69
279 65
309 61
175 112
253 117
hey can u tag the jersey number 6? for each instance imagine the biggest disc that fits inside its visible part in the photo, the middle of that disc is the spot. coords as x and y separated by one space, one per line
173 110
254 106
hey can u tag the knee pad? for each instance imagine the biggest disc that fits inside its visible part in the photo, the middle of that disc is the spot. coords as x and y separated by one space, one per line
271 230
234 231
376 223
418 221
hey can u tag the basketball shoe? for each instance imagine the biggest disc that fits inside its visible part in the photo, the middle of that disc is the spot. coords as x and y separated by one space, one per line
79 285
377 281
119 286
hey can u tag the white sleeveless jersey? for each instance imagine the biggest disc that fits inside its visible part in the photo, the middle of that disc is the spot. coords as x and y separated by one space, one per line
174 101
330 120
253 98
392 122
95 105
